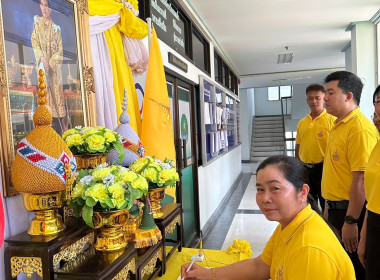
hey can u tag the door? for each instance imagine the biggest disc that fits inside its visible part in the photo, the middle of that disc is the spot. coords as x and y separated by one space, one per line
182 107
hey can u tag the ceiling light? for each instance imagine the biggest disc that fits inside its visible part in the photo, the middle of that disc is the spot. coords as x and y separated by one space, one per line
285 58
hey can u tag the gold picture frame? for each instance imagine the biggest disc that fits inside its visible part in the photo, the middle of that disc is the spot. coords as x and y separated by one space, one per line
30 32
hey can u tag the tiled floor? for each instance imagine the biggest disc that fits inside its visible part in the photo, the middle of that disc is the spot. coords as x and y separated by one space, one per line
242 218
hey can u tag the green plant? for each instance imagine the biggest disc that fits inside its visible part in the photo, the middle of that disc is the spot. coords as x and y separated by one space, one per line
105 188
156 172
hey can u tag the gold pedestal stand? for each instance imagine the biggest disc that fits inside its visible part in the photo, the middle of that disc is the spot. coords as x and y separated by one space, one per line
156 196
110 236
90 161
46 221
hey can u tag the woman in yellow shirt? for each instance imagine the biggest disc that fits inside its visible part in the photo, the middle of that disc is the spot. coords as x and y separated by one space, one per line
369 245
302 247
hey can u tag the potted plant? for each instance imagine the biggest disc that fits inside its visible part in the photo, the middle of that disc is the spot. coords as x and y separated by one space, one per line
159 175
90 145
103 196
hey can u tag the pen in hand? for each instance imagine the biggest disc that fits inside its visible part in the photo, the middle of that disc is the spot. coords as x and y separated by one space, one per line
188 269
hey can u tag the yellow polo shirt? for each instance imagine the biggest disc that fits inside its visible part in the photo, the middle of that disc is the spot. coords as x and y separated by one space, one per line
372 180
348 148
312 137
307 249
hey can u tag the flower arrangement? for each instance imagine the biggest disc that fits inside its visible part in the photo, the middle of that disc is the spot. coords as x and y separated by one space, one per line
106 188
93 140
156 172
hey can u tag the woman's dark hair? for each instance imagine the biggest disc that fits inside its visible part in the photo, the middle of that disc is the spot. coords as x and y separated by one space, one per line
294 171
375 94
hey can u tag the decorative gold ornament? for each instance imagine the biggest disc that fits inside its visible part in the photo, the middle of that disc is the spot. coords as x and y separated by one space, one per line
156 196
46 221
170 228
27 265
90 161
124 273
110 236
150 266
133 223
74 250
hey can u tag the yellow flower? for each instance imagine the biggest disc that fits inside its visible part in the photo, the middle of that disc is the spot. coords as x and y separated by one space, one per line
126 176
95 142
69 132
140 183
117 192
97 192
165 175
87 131
156 165
139 164
74 140
110 136
151 174
100 173
241 247
77 190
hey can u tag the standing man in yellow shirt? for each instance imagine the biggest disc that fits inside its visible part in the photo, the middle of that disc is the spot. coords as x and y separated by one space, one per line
312 133
349 145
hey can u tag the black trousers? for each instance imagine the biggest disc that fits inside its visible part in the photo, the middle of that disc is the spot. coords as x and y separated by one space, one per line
372 249
336 218
315 178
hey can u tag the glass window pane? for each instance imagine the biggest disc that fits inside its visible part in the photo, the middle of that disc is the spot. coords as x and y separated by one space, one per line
273 93
285 91
199 53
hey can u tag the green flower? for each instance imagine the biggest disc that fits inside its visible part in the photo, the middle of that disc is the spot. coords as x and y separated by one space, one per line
74 140
117 195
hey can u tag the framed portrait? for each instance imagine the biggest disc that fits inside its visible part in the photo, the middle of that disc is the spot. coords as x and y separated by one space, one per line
51 35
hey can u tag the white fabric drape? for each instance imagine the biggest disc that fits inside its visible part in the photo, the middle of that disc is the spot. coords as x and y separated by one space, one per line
103 77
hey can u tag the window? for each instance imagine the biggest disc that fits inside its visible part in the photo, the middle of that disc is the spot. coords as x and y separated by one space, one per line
275 93
201 52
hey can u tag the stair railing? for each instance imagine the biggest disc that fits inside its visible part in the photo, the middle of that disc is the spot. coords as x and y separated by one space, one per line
284 111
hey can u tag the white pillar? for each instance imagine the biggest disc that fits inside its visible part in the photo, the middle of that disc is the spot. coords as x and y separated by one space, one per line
363 60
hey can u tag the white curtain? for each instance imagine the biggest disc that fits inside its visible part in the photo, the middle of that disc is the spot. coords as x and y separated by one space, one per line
103 77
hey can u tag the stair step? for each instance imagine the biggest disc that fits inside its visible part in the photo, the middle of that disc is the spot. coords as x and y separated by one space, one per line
265 130
276 117
267 139
268 134
267 153
268 148
268 143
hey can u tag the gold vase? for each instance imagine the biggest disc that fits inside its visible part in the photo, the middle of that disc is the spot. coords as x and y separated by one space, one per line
133 223
110 236
46 221
90 161
156 196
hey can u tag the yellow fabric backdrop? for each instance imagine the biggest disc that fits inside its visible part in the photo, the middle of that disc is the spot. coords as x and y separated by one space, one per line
130 26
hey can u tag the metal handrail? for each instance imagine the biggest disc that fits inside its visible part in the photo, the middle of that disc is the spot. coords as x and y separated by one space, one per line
283 118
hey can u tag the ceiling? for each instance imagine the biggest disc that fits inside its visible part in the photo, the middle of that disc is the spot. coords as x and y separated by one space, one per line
251 34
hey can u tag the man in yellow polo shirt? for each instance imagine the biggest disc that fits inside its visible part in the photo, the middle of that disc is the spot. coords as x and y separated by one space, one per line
312 133
349 145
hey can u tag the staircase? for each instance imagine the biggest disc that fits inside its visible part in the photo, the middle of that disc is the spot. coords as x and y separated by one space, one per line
267 137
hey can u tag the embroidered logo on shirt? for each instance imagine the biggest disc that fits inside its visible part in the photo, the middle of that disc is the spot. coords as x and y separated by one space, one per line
280 273
320 134
336 155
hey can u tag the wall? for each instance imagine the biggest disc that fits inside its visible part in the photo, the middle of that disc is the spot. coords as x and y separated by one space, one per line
247 111
215 180
263 107
363 55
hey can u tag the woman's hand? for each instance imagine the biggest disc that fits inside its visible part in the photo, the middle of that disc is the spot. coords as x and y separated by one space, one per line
196 272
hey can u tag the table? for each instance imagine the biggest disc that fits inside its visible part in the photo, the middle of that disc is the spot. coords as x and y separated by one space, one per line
171 219
213 258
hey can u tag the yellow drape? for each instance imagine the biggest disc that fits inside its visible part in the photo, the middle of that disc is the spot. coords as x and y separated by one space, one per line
131 26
